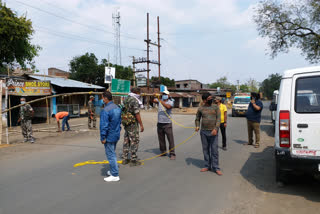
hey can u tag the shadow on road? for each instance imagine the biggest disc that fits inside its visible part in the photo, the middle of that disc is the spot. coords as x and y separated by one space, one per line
268 129
104 170
240 141
259 170
195 162
155 151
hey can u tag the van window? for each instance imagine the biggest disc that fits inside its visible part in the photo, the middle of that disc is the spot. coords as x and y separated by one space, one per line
307 95
242 100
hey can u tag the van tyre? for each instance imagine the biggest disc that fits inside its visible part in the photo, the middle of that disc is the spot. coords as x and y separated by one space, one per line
233 114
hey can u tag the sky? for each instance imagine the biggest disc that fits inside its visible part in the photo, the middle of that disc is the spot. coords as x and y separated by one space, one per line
200 39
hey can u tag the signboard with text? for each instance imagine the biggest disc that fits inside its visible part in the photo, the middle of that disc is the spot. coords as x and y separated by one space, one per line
20 87
120 86
228 94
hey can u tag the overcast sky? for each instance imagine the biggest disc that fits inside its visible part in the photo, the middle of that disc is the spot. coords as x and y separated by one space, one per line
201 39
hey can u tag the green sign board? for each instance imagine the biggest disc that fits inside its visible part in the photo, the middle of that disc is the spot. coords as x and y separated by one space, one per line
120 86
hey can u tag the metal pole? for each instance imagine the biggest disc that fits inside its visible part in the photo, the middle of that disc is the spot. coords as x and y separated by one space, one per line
159 46
1 112
48 119
6 105
9 112
134 71
148 41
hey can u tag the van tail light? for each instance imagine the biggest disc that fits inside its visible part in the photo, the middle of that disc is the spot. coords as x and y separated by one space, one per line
284 128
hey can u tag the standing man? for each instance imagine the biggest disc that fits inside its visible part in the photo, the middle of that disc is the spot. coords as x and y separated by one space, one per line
110 120
65 117
131 120
26 114
254 118
223 124
210 122
164 125
91 113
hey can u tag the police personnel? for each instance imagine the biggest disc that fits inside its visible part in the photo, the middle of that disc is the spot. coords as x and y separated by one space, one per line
91 113
26 113
131 123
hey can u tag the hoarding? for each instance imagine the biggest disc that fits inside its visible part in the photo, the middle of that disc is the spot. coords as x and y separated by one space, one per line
20 87
110 73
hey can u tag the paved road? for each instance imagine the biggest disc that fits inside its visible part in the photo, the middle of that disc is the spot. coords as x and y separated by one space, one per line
40 178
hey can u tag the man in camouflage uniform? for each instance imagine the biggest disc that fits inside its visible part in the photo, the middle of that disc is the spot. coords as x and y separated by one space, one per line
131 136
26 113
91 113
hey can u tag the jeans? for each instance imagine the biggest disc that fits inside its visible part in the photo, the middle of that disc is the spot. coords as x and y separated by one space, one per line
210 150
65 122
223 133
112 157
163 130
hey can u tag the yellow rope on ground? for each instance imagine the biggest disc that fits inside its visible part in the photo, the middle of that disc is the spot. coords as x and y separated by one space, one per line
93 162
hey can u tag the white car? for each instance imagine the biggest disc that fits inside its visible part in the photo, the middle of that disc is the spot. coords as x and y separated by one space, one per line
297 131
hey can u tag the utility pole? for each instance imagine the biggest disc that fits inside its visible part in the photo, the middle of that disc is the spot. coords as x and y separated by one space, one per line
148 49
238 85
134 71
147 60
116 27
158 46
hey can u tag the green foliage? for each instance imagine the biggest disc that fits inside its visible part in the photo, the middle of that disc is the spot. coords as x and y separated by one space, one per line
290 24
15 36
164 81
244 88
221 82
270 84
253 85
86 68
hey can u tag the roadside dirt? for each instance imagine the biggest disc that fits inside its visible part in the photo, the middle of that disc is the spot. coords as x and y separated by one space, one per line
256 188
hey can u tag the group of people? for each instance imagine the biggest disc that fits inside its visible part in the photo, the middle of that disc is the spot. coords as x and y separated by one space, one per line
210 118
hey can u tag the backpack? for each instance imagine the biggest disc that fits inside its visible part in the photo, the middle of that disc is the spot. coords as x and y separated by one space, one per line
127 118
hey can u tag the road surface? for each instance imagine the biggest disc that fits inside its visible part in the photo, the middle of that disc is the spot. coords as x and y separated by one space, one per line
41 178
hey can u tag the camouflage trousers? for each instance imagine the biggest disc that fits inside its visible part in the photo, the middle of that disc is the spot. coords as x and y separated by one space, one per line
93 120
131 141
26 127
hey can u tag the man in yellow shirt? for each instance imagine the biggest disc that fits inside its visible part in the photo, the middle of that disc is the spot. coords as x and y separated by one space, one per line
223 124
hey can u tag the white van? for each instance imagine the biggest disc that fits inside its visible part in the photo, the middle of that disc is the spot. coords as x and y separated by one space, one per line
240 105
297 132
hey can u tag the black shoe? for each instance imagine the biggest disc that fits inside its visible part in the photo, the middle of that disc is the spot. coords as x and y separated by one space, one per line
224 148
125 161
135 163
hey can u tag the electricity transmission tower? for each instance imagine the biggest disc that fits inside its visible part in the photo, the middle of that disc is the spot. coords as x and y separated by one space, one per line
116 28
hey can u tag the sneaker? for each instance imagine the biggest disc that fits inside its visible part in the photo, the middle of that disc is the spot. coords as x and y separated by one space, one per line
135 163
112 178
109 173
125 161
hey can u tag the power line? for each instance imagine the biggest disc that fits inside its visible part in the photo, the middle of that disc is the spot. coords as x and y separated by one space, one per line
70 20
79 38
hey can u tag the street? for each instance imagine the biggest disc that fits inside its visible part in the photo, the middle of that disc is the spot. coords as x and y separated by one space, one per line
41 178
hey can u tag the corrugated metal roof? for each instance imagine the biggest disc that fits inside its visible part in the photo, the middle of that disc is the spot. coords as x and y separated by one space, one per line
68 83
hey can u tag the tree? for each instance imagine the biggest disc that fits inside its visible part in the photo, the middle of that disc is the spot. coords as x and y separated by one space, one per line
15 40
270 84
244 88
290 24
86 68
164 81
253 85
222 82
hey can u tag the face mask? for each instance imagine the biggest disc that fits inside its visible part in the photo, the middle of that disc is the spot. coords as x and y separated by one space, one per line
209 102
165 97
22 102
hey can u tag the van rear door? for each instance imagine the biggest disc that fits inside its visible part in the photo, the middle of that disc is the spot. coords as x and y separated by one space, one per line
305 115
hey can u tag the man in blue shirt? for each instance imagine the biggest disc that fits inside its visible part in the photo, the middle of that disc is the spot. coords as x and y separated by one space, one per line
110 120
254 118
